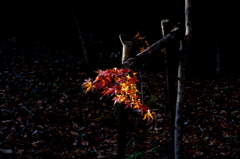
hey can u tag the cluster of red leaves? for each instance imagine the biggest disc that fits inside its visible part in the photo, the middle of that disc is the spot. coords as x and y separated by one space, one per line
118 83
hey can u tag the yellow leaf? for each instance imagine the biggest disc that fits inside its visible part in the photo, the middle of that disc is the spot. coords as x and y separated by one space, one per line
145 116
89 86
136 106
129 77
148 116
124 87
142 49
123 99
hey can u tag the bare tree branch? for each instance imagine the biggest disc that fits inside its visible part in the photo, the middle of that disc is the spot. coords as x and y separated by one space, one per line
160 44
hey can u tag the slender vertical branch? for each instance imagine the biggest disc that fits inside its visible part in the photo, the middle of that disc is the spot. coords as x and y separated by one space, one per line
184 48
141 86
122 132
79 33
123 113
218 62
188 21
166 63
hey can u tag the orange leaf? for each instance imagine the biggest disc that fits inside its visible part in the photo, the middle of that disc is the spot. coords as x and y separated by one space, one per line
137 35
148 116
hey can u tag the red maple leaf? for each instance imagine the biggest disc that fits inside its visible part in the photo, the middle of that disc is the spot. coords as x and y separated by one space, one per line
144 109
132 80
128 104
98 78
111 91
121 80
118 99
123 72
86 81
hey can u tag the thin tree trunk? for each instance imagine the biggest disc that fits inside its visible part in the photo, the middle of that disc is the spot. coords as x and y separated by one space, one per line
0 118
178 109
123 113
166 67
184 48
218 62
122 132
82 41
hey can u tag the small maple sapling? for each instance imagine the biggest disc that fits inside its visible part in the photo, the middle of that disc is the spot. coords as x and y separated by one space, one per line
121 84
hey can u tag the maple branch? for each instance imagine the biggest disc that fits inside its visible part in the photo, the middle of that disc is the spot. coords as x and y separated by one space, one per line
140 57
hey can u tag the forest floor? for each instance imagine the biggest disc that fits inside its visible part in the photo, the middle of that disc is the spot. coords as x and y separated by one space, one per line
46 112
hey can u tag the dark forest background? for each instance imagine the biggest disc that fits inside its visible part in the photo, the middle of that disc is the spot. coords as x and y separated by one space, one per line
46 113
52 22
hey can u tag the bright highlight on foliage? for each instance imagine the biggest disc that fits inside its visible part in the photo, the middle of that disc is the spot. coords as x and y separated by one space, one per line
144 42
120 84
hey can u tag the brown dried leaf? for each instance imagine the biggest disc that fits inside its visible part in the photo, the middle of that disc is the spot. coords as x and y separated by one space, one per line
74 133
75 125
84 142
